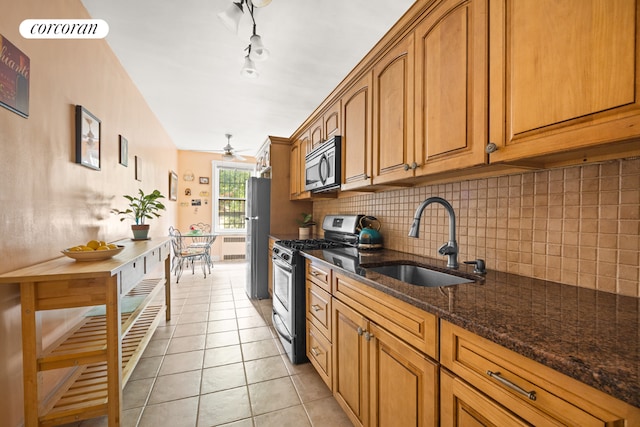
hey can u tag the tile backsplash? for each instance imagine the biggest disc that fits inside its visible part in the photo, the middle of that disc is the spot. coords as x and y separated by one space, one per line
577 225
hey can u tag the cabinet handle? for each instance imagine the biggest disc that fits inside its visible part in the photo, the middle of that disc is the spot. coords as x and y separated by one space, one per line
316 307
314 273
366 176
412 166
496 376
360 331
368 336
315 351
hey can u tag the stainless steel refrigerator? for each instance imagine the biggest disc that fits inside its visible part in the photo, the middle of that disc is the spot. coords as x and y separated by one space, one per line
258 193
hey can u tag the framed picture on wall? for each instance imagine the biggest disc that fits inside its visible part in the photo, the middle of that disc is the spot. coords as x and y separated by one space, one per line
124 151
87 138
138 168
173 185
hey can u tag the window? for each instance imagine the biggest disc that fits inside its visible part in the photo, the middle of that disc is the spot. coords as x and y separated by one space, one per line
229 196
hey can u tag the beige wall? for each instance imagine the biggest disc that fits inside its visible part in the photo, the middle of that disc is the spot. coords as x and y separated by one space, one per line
48 201
577 225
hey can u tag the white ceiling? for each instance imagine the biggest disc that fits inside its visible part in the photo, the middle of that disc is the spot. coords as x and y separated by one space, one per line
186 63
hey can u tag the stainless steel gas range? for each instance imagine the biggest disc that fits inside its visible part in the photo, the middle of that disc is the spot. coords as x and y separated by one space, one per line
340 231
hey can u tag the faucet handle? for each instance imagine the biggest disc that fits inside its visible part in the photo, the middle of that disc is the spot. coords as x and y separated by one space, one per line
447 249
479 266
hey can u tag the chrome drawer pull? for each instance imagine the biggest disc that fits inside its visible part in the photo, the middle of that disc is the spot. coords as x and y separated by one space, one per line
360 331
315 351
314 273
496 375
316 307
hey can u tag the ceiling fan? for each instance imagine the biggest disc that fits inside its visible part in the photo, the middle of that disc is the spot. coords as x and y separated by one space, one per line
228 152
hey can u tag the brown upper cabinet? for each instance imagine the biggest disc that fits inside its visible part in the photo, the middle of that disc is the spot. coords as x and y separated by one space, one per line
326 125
331 120
316 132
393 92
564 76
451 106
548 83
356 135
299 149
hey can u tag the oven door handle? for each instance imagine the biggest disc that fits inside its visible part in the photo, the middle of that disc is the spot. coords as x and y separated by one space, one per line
276 322
286 267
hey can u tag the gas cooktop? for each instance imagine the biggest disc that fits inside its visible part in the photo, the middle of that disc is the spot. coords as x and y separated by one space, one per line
309 244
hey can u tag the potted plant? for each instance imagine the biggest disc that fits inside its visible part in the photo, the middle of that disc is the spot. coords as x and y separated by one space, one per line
141 208
304 225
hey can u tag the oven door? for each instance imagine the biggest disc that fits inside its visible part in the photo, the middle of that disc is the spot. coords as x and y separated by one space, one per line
283 298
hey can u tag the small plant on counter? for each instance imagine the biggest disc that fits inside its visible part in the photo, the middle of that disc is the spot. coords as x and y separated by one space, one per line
304 225
306 220
141 208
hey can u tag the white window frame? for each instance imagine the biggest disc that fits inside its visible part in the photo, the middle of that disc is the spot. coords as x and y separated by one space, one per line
216 165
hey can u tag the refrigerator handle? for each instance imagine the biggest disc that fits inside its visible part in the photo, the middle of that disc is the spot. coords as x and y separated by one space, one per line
251 218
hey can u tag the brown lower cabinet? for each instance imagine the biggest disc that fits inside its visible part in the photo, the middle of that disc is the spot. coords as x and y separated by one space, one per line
378 379
490 384
391 364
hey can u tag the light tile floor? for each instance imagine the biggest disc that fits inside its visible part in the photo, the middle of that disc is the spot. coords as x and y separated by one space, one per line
218 362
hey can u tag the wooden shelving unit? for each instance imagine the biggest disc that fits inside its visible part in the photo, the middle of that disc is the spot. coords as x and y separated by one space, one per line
100 352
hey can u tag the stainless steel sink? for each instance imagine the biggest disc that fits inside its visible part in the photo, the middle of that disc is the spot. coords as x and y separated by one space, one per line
419 276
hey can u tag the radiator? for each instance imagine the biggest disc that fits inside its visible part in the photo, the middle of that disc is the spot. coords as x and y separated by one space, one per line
233 248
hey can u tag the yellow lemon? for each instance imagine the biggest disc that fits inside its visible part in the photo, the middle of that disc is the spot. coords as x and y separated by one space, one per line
93 244
102 248
103 243
75 249
86 248
112 246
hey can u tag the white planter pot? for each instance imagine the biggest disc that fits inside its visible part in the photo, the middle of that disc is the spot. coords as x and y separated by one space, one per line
304 232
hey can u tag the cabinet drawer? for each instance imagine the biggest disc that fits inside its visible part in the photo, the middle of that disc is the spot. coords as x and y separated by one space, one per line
131 274
546 397
462 405
319 274
319 308
415 326
155 257
319 353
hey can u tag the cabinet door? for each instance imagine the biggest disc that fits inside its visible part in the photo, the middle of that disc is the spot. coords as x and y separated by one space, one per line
463 406
294 176
564 75
404 385
316 133
350 363
356 138
332 120
393 83
451 87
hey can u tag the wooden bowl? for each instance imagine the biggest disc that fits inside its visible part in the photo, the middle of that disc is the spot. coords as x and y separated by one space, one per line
92 255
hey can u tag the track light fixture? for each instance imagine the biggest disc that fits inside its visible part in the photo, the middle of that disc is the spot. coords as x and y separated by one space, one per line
256 50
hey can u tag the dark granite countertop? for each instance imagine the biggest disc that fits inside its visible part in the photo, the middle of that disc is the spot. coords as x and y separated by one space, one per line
588 335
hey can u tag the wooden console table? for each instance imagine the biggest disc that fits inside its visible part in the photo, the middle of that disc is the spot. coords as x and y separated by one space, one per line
100 352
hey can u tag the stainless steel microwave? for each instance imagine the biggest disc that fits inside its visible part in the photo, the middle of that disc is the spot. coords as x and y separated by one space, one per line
323 166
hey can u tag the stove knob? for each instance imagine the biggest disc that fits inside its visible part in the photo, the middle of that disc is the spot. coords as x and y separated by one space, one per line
285 257
276 251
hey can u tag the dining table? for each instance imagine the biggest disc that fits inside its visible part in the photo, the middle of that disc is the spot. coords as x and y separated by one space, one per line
197 239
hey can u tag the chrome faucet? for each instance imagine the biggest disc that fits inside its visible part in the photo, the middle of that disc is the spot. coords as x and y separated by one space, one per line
450 249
